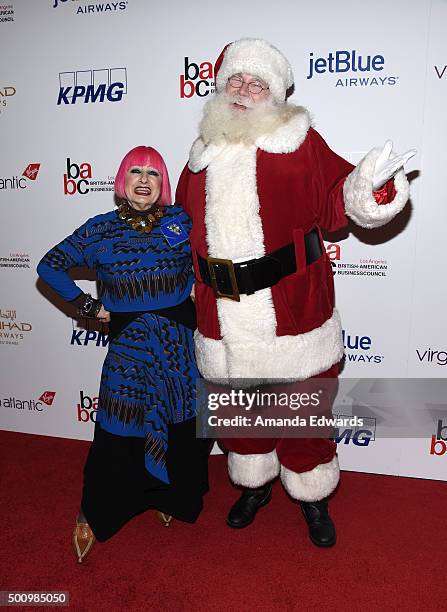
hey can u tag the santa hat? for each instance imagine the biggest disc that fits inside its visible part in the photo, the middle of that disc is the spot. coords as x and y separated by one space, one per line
257 57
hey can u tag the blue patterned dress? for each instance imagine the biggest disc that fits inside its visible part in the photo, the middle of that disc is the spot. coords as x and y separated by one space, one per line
149 373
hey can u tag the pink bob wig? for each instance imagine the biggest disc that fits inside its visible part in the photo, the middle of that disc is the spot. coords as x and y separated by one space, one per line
144 156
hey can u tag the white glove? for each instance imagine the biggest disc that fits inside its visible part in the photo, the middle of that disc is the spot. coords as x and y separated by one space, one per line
387 167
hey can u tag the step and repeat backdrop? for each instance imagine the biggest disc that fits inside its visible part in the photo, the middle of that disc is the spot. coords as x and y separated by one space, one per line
83 81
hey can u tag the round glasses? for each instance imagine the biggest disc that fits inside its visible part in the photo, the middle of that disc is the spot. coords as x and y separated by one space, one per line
253 87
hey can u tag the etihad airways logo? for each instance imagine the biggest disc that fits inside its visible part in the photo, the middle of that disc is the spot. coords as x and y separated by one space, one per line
12 329
5 94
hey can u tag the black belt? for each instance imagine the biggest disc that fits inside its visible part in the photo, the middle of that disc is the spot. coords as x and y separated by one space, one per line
230 279
184 313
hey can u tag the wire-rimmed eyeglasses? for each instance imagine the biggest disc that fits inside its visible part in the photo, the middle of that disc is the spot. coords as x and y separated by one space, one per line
253 87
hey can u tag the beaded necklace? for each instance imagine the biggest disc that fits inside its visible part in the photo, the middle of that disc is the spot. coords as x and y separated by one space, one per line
140 220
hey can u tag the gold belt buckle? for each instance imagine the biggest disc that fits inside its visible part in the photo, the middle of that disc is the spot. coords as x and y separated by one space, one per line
212 261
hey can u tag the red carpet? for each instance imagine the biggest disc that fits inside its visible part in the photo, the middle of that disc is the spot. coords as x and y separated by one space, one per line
391 552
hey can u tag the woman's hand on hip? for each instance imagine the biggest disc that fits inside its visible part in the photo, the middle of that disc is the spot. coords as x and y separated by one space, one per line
103 315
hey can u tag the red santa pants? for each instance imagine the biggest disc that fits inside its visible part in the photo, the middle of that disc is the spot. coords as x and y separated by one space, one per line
308 467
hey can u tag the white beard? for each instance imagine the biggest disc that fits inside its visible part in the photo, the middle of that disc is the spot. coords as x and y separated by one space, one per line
221 123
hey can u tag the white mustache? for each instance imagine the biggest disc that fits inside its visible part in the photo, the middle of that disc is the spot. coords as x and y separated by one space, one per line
247 102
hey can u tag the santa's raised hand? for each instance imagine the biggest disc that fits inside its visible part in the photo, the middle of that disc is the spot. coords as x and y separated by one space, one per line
388 164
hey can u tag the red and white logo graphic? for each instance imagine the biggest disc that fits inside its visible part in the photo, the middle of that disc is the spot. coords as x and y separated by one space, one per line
47 397
197 79
31 171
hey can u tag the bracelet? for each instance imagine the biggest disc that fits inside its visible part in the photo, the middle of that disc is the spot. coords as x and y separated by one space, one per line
90 307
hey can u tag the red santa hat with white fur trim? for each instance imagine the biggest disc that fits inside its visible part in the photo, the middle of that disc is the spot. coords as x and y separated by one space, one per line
259 58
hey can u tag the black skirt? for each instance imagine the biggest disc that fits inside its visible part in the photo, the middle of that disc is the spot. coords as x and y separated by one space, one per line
117 485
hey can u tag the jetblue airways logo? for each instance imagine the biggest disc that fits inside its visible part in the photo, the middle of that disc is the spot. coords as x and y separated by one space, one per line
90 86
366 70
85 7
361 349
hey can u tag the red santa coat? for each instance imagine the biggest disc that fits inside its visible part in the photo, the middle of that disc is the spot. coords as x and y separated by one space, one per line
247 200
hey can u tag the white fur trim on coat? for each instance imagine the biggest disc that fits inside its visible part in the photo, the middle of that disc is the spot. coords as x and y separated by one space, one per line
250 348
313 485
259 58
360 204
286 138
201 155
253 471
289 358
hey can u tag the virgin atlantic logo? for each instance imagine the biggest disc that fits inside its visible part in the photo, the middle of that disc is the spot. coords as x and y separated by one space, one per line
441 71
47 397
31 171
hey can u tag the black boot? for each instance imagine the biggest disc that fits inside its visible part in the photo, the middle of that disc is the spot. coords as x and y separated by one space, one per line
243 512
321 527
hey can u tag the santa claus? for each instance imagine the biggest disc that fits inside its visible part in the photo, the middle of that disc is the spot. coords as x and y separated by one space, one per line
260 185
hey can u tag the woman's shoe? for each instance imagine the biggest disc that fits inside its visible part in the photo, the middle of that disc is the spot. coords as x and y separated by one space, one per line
83 540
165 519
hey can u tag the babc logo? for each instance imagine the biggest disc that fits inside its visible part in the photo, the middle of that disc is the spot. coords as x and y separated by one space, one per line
79 180
197 79
75 179
439 440
87 408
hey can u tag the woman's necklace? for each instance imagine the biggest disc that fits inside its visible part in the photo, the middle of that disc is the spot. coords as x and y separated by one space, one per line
142 221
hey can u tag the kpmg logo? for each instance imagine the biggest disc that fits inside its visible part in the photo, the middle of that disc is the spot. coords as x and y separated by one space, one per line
85 337
197 79
86 7
359 349
92 86
364 70
358 436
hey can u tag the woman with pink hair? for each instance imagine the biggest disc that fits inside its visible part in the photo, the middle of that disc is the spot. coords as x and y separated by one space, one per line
144 453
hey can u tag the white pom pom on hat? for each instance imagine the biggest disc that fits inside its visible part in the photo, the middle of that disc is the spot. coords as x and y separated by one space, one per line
259 58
